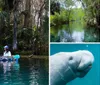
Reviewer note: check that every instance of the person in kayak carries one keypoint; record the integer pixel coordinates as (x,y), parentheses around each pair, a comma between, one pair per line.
(7,52)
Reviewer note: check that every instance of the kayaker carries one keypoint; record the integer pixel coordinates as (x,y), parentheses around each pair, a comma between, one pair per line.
(7,52)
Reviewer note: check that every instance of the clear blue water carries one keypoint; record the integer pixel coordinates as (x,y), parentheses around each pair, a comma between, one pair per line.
(93,76)
(26,72)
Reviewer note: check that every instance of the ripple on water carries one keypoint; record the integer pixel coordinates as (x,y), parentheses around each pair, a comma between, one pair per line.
(24,74)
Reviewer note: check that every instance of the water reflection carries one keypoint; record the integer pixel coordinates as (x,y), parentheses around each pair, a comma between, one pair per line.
(78,36)
(7,65)
(75,36)
(26,72)
(37,76)
(75,31)
(64,36)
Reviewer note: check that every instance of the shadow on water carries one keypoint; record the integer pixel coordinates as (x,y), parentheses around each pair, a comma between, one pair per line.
(26,72)
(75,31)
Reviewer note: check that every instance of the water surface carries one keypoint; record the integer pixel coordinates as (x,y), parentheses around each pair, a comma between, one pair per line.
(75,31)
(26,72)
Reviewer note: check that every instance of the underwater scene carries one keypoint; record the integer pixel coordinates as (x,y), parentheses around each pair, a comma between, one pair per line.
(93,76)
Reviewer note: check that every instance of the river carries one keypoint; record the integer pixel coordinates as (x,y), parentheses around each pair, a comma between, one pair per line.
(26,72)
(75,31)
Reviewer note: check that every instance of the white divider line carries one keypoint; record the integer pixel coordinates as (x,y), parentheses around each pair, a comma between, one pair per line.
(74,42)
(49,41)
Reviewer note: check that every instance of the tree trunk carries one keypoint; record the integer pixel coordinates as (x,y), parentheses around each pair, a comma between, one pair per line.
(15,32)
(27,14)
(98,20)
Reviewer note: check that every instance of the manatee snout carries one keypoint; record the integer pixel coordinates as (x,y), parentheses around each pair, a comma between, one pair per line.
(85,63)
(82,73)
(66,66)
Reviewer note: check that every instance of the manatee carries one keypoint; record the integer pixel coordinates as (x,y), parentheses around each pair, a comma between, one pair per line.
(66,66)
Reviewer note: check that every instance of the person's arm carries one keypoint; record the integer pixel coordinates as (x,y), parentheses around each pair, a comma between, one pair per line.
(4,54)
(9,54)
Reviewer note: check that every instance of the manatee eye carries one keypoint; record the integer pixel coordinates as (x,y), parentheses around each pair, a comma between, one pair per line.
(90,65)
(71,58)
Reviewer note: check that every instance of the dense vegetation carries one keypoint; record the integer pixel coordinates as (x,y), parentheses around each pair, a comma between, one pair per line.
(71,16)
(62,11)
(24,26)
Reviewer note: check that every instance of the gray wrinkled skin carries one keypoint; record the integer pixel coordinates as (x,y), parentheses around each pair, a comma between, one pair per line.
(66,66)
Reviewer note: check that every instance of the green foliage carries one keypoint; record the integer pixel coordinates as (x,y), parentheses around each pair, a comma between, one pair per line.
(77,14)
(64,17)
(5,29)
(69,3)
(77,18)
(24,38)
(3,19)
(59,18)
(31,36)
(25,33)
(55,7)
(1,4)
(1,49)
(92,11)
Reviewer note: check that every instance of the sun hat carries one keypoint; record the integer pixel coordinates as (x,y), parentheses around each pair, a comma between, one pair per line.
(6,47)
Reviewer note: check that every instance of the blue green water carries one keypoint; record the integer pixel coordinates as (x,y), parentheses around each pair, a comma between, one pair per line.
(93,76)
(26,72)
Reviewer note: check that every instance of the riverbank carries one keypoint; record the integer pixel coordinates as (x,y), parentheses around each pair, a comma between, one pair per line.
(35,56)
